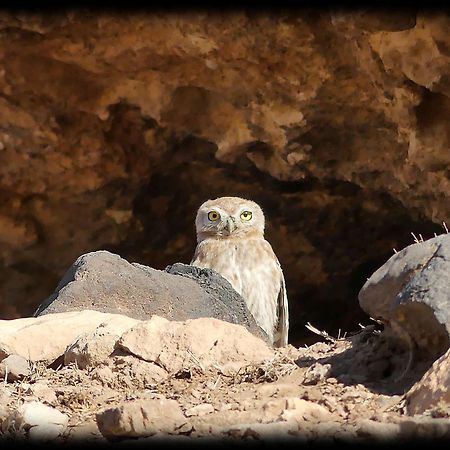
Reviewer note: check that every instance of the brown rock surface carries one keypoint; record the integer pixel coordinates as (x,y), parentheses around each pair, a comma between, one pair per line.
(115,127)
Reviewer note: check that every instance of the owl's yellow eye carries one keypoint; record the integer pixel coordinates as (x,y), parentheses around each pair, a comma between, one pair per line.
(213,216)
(246,215)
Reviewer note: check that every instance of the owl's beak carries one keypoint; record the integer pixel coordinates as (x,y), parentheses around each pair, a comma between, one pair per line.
(230,226)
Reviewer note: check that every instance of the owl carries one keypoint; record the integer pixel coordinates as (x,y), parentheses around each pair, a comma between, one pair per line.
(230,240)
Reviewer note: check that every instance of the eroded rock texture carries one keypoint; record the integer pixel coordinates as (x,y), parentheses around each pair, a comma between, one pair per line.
(114,128)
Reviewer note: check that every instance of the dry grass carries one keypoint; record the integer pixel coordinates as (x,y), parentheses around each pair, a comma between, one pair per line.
(418,240)
(268,371)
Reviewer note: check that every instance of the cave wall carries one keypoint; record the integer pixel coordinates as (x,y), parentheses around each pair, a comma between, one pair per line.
(115,127)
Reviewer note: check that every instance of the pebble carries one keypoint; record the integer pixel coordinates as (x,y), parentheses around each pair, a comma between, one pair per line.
(15,367)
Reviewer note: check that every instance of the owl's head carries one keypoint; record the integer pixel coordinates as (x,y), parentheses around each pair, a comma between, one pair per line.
(228,218)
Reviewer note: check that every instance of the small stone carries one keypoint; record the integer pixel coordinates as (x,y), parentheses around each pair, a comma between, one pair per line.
(90,350)
(42,392)
(15,367)
(42,422)
(334,406)
(104,374)
(327,430)
(226,407)
(298,409)
(195,393)
(87,431)
(141,418)
(316,373)
(3,413)
(282,430)
(377,430)
(200,410)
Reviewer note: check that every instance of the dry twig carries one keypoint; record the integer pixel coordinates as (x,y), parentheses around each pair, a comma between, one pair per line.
(324,334)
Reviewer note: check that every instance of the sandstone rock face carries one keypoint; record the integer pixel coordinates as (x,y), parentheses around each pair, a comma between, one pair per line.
(411,293)
(105,282)
(116,127)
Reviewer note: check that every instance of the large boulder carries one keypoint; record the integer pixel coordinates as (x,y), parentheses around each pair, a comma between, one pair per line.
(410,293)
(105,282)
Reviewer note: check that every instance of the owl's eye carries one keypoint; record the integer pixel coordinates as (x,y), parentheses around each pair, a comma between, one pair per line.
(213,216)
(246,215)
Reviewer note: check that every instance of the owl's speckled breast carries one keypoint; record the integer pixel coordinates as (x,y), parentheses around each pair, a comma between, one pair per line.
(251,267)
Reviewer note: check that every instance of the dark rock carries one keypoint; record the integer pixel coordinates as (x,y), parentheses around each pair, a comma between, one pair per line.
(105,282)
(410,293)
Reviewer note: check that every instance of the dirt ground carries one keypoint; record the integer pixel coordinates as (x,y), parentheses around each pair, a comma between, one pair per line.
(340,390)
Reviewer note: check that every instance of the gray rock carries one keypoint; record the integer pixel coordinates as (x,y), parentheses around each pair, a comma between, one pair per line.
(410,293)
(105,282)
(15,367)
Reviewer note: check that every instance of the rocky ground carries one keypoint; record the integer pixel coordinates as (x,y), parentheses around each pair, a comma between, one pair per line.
(78,373)
(243,391)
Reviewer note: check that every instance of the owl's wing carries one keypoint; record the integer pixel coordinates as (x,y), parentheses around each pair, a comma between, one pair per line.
(282,327)
(195,257)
